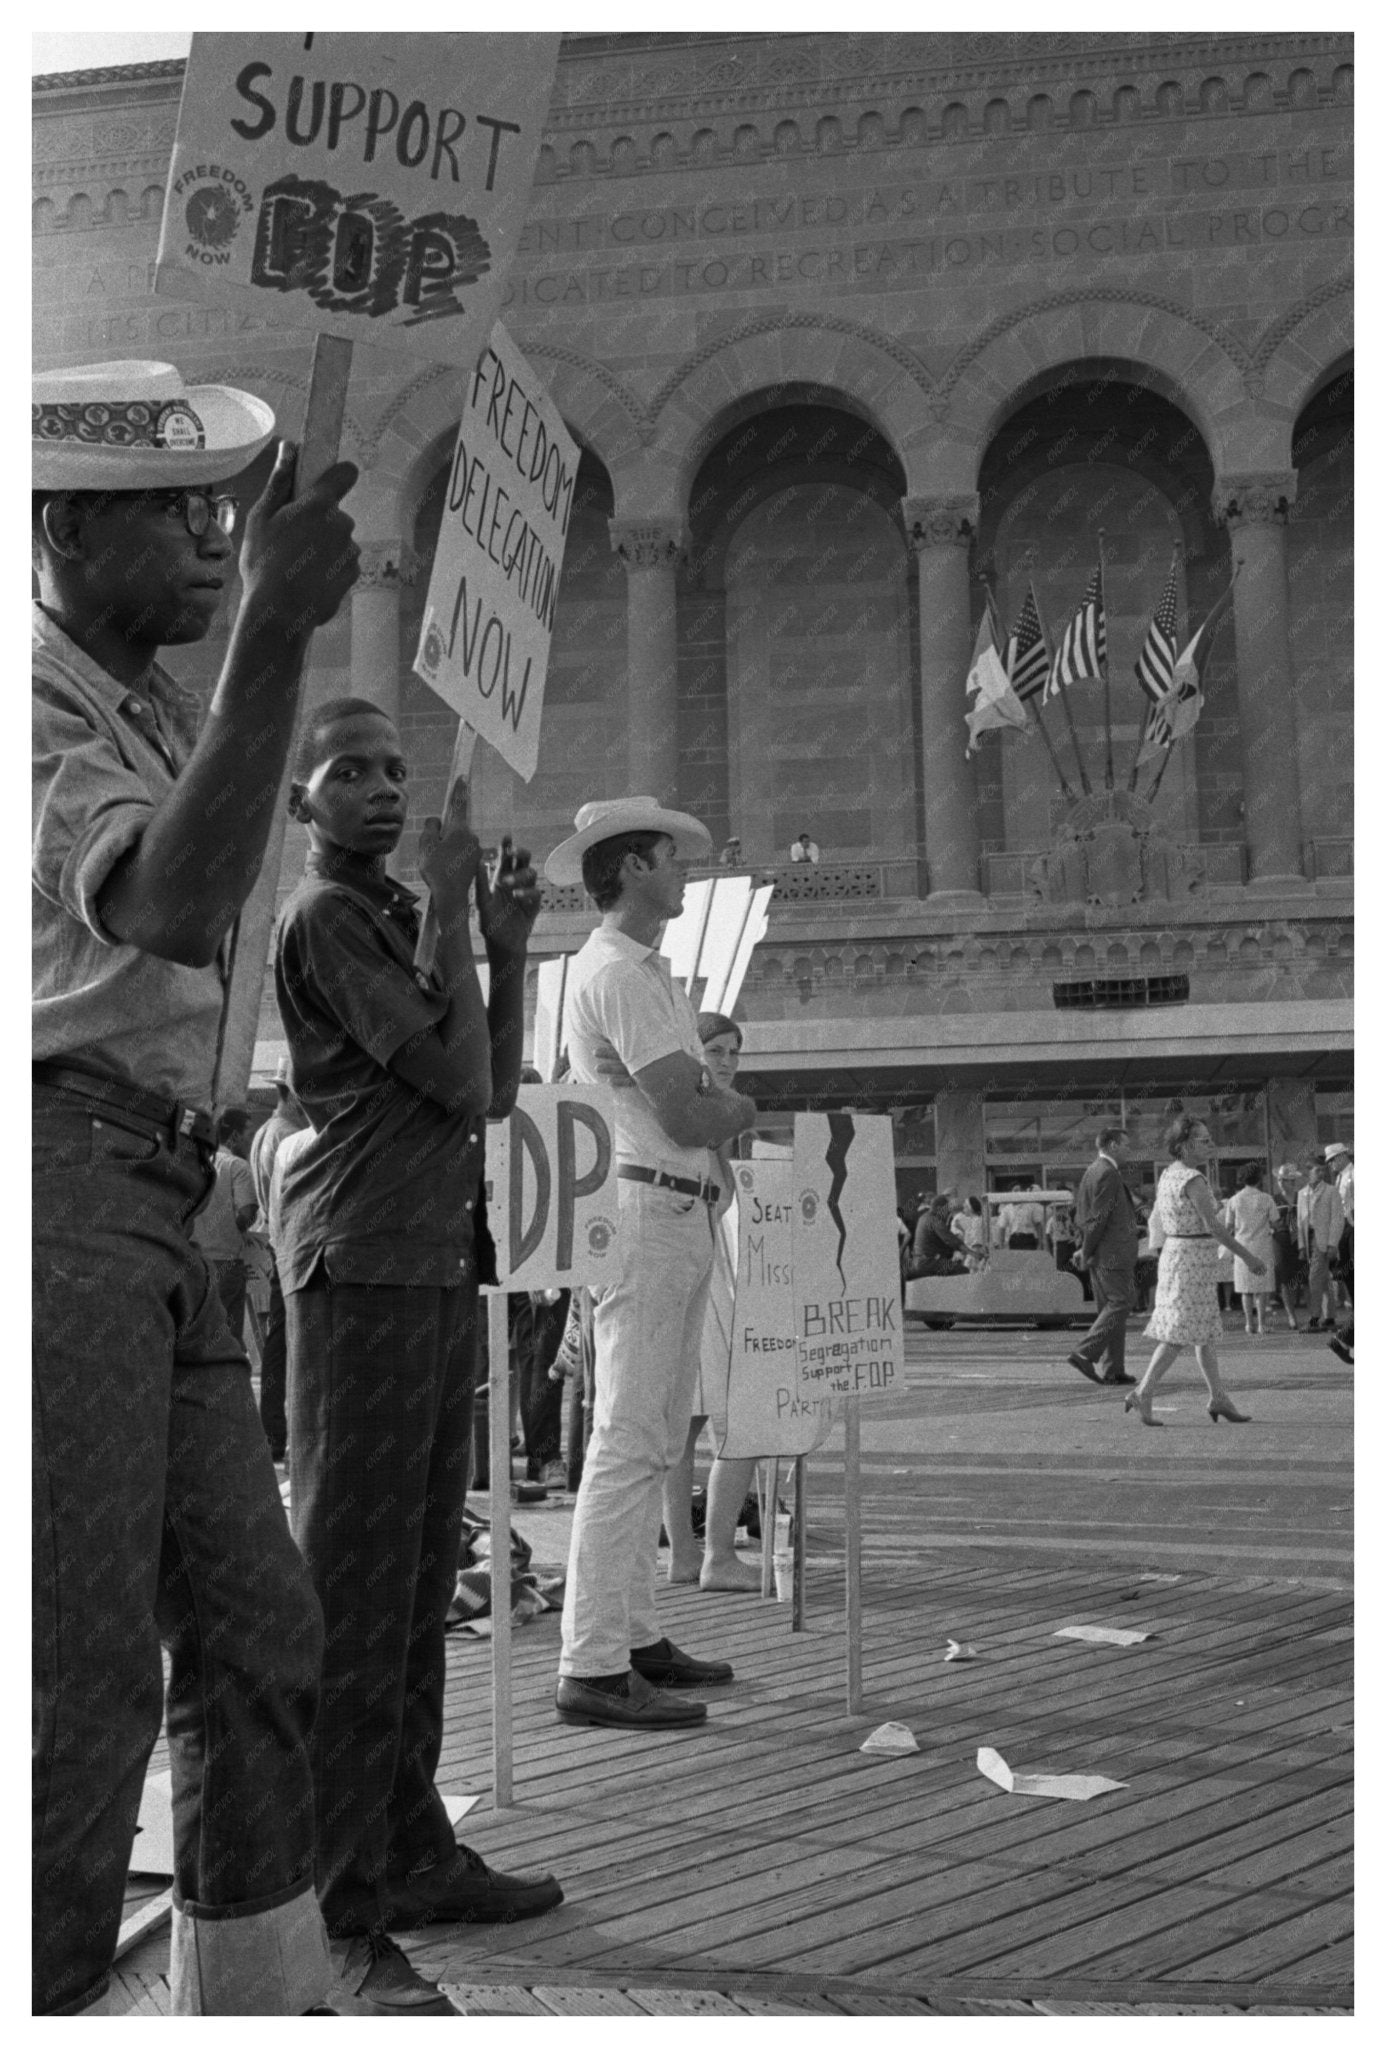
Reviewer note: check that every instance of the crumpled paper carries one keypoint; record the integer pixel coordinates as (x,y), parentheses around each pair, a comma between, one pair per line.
(892,1738)
(958,1653)
(1088,1632)
(1044,1784)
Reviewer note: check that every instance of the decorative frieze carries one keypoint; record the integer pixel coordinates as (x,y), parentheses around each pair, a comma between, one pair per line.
(1255,498)
(940,522)
(647,544)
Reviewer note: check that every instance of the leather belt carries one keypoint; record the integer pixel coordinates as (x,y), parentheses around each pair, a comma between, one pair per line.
(705,1190)
(170,1119)
(1190,1236)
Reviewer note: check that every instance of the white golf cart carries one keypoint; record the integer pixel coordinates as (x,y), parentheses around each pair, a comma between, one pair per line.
(1007,1286)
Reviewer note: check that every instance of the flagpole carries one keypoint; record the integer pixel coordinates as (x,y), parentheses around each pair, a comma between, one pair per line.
(1134,776)
(1106,664)
(1154,789)
(1039,719)
(1068,708)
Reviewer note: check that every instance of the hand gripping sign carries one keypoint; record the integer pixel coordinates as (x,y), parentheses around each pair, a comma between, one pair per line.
(371,186)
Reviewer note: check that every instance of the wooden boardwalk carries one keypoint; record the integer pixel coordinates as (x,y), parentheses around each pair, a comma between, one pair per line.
(766,1859)
(765,1865)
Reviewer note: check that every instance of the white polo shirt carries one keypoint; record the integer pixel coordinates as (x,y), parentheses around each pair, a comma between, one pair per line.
(624,1011)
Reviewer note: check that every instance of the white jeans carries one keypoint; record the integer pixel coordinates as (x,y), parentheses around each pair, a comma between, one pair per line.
(648,1328)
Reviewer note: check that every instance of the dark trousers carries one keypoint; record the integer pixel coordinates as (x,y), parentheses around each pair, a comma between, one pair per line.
(229,1275)
(536,1331)
(274,1362)
(156,1515)
(380,1402)
(1114,1290)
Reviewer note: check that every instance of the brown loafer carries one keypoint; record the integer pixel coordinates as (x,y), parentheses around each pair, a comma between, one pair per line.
(641,1705)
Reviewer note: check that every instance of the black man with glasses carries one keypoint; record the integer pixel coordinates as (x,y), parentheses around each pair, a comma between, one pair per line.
(157,1517)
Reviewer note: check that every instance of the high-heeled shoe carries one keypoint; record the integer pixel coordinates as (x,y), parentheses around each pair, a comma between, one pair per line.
(1221,1406)
(1141,1404)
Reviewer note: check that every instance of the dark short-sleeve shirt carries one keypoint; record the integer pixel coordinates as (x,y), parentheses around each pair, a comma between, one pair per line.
(386,1189)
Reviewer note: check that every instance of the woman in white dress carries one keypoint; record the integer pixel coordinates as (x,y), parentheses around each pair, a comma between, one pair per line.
(1250,1213)
(1186,1295)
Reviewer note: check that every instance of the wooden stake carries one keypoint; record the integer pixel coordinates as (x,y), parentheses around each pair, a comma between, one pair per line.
(769,1470)
(851,1479)
(460,770)
(800,1544)
(498,1318)
(1106,665)
(248,947)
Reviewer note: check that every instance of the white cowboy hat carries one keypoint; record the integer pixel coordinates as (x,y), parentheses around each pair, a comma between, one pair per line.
(1336,1151)
(610,817)
(139,427)
(1289,1171)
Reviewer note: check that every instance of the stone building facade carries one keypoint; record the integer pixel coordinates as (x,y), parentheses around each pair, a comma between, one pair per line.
(851,328)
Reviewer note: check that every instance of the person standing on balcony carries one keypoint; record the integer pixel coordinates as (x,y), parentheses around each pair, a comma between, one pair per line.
(804,849)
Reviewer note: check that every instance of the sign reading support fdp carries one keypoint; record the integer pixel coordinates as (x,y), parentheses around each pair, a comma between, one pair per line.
(847,1318)
(551,1190)
(488,619)
(372,186)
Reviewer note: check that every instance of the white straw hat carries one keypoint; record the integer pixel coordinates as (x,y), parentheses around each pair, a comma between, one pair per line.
(138,426)
(609,818)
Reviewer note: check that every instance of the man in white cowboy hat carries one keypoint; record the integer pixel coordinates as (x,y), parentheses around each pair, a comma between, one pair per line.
(630,1026)
(156,1511)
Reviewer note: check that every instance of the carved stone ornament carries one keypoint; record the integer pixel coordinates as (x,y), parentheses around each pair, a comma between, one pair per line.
(1107,853)
(940,522)
(386,565)
(647,544)
(1259,498)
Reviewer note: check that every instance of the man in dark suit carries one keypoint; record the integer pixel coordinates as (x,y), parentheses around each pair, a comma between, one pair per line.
(1109,1232)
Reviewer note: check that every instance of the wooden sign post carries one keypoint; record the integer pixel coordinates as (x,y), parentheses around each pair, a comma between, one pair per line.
(551,1201)
(850,1342)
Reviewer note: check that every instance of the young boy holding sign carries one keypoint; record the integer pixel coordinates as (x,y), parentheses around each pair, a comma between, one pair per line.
(380,1251)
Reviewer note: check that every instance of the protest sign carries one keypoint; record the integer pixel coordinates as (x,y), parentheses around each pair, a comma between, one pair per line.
(846,1265)
(371,186)
(551,1189)
(755,1404)
(488,617)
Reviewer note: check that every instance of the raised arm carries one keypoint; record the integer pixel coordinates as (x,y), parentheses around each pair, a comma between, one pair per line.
(178,889)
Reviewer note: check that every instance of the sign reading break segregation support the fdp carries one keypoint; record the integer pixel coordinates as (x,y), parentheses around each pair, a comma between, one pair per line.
(372,186)
(551,1190)
(846,1261)
(763,1412)
(488,618)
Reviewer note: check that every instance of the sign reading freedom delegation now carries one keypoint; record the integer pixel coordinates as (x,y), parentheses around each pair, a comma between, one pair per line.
(488,618)
(372,186)
(847,1314)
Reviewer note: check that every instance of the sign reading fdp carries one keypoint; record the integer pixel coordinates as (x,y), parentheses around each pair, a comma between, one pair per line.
(551,1190)
(847,1314)
(372,186)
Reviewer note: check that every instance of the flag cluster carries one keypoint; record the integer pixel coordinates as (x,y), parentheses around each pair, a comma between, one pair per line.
(1082,652)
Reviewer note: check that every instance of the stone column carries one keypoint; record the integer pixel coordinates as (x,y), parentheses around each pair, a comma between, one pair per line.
(960,1140)
(651,550)
(939,532)
(1255,508)
(376,659)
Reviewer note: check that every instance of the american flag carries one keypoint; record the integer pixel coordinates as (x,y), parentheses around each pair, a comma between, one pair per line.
(1027,656)
(1083,649)
(1155,662)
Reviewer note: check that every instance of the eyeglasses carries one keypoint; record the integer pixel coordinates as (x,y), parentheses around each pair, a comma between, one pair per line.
(199,510)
